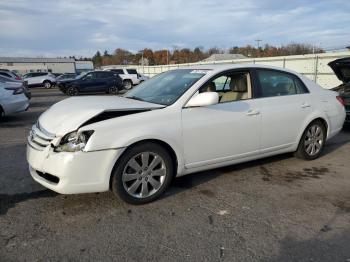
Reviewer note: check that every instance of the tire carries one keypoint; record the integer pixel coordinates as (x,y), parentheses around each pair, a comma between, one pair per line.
(312,141)
(112,90)
(132,174)
(127,84)
(47,84)
(72,91)
(2,114)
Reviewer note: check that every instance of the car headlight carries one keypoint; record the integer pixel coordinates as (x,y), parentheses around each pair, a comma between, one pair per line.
(74,141)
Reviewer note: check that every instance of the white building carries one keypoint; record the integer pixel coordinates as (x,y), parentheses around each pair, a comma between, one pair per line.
(24,65)
(83,66)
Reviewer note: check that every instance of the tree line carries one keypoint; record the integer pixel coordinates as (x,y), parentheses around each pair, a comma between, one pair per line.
(177,55)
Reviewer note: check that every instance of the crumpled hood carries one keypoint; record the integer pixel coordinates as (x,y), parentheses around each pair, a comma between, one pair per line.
(69,114)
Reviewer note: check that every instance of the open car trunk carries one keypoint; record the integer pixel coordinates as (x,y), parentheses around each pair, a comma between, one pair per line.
(341,68)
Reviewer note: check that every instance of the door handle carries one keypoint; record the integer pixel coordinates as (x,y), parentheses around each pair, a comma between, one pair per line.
(305,105)
(253,112)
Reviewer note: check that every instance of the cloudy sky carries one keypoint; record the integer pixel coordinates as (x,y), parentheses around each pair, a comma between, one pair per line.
(80,27)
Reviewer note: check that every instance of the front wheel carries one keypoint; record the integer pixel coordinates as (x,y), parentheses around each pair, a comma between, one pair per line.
(47,84)
(142,174)
(113,90)
(312,141)
(72,91)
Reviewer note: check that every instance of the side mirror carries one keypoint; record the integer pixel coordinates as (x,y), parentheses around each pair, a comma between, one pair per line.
(203,99)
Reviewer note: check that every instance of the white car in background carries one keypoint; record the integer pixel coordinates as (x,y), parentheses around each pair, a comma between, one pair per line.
(12,98)
(129,76)
(180,122)
(44,79)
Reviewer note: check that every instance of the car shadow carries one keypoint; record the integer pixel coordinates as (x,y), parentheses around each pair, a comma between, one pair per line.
(9,201)
(180,184)
(313,249)
(337,141)
(183,183)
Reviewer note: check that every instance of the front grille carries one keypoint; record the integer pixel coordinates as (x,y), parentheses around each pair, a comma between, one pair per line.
(39,138)
(48,177)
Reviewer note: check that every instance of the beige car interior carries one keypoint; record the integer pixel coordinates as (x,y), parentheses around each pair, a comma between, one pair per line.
(236,87)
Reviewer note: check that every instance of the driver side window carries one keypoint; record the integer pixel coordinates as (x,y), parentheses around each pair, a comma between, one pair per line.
(89,76)
(230,87)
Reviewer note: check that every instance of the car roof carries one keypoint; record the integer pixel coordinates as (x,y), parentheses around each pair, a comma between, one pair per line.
(224,67)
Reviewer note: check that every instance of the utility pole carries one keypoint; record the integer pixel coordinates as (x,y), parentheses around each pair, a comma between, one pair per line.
(167,57)
(258,41)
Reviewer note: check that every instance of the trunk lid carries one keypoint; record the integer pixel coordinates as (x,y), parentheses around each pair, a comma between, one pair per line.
(341,68)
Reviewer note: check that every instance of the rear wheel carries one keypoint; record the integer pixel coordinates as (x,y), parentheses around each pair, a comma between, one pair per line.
(127,84)
(72,91)
(312,141)
(113,90)
(142,174)
(47,84)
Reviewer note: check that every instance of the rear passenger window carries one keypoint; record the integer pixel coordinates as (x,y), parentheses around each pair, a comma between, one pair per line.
(105,74)
(5,74)
(132,71)
(275,83)
(118,71)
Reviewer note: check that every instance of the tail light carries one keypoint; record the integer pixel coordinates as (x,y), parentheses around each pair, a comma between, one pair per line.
(341,100)
(18,78)
(16,90)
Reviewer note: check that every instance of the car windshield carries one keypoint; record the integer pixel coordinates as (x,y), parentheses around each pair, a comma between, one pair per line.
(167,87)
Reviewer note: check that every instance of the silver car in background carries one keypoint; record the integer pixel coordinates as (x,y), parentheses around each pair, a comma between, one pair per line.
(10,74)
(24,84)
(12,98)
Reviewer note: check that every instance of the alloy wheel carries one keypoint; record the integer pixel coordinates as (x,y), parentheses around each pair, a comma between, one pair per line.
(47,85)
(72,91)
(127,84)
(144,174)
(314,140)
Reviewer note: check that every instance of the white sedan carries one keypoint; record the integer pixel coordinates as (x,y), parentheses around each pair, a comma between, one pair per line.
(180,122)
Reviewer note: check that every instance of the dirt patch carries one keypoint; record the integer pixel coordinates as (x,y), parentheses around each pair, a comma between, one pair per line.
(207,193)
(291,176)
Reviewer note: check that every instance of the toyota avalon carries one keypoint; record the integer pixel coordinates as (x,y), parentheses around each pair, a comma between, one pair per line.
(180,122)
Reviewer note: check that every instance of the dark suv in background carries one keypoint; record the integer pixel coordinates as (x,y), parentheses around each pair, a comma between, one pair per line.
(92,82)
(341,68)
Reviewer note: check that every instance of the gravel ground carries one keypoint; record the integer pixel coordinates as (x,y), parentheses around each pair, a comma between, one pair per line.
(275,209)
